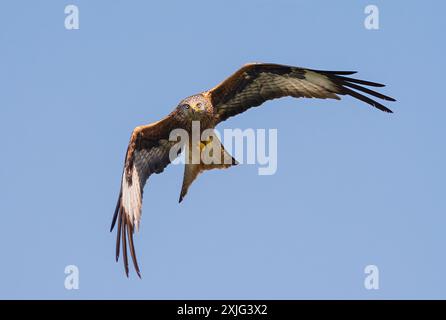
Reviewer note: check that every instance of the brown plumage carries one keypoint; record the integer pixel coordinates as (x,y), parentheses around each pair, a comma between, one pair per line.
(149,149)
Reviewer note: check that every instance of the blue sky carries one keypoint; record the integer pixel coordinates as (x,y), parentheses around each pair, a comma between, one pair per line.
(354,186)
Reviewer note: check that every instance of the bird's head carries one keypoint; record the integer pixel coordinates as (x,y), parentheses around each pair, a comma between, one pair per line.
(195,106)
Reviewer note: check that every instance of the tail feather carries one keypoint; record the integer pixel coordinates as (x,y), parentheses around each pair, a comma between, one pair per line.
(212,147)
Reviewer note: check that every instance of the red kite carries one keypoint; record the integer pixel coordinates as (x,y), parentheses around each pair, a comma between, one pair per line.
(149,147)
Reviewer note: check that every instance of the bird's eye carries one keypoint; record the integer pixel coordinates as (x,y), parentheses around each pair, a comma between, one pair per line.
(186,106)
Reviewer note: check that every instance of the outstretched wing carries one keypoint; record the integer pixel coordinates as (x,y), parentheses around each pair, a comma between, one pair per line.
(254,84)
(147,153)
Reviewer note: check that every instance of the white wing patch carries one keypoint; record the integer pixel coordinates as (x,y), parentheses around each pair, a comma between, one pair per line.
(132,194)
(320,82)
(145,162)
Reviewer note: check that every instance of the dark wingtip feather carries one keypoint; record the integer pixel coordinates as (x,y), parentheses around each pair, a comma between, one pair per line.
(132,249)
(363,82)
(344,73)
(365,99)
(345,83)
(124,245)
(115,215)
(368,91)
(118,237)
(331,72)
(124,230)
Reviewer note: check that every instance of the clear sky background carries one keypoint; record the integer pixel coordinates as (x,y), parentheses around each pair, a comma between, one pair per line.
(354,186)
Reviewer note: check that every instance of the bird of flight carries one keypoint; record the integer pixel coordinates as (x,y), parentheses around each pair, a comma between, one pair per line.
(149,148)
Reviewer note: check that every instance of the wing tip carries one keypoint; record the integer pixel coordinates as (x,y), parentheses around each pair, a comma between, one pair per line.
(116,213)
(346,85)
(125,230)
(130,232)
